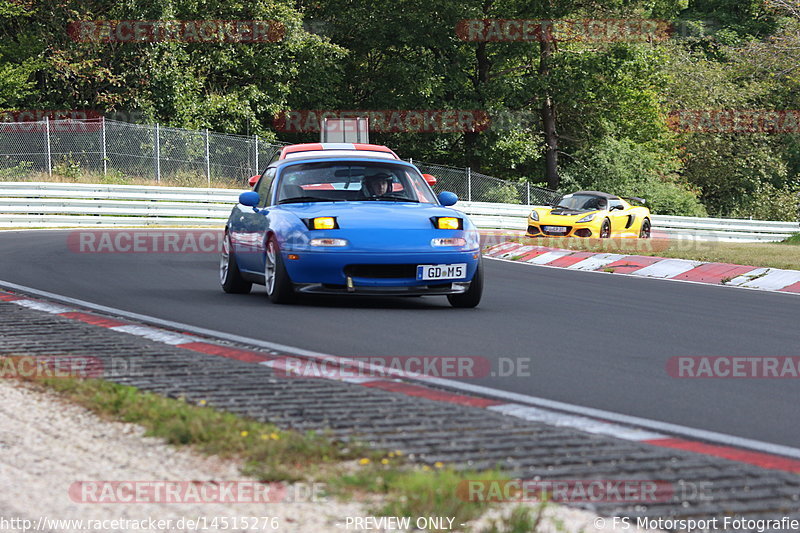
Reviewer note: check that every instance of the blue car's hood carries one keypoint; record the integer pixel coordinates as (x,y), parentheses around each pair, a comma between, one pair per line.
(382,226)
(375,215)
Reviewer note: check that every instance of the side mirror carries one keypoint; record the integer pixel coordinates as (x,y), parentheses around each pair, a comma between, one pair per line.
(249,198)
(430,179)
(447,198)
(252,180)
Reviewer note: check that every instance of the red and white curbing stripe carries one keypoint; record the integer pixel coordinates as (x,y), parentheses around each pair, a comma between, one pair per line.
(767,279)
(599,422)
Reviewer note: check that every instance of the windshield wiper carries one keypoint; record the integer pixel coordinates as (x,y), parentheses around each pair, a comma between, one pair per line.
(393,199)
(300,199)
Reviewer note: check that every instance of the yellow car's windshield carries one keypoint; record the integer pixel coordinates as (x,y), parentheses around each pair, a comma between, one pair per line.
(582,202)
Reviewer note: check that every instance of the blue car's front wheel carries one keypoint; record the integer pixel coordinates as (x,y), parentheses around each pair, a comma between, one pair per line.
(279,285)
(472,297)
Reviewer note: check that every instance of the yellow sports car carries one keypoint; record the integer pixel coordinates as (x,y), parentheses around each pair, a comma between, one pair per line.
(591,214)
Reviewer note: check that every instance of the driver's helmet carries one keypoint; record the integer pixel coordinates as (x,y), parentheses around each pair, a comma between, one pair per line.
(593,203)
(373,181)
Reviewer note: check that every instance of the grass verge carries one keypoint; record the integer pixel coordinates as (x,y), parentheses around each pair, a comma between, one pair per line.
(773,255)
(793,240)
(265,451)
(115,178)
(390,484)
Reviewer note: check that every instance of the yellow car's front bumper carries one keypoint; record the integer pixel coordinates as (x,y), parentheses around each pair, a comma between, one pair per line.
(586,229)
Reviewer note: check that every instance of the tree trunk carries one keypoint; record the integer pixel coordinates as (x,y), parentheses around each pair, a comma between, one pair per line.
(479,81)
(548,112)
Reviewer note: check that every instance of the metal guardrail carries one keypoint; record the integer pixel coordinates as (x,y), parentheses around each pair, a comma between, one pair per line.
(44,204)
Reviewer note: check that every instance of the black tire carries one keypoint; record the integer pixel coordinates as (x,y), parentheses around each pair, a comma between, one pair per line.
(472,297)
(605,229)
(229,275)
(279,285)
(644,233)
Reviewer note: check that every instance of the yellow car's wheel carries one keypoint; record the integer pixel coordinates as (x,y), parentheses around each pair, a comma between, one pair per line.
(605,229)
(644,233)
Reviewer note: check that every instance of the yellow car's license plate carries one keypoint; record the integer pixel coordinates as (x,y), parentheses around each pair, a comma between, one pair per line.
(555,229)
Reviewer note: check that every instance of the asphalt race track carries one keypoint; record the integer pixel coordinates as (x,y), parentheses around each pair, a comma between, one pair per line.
(592,339)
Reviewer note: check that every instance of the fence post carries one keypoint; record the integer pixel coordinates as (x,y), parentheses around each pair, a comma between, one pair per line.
(105,162)
(528,185)
(258,170)
(157,152)
(208,161)
(469,184)
(49,154)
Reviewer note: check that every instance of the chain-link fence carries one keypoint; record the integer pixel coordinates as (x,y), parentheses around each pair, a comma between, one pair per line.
(476,187)
(111,151)
(116,152)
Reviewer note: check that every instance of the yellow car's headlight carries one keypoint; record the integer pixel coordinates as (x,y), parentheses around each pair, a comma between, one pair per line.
(534,215)
(587,218)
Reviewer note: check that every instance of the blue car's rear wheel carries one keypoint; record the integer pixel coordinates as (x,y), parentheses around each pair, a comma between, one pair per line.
(472,297)
(276,279)
(229,275)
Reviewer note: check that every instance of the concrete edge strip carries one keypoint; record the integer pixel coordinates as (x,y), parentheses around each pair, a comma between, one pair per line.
(765,279)
(531,408)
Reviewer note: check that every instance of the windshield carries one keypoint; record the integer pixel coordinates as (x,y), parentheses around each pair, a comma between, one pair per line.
(343,181)
(582,202)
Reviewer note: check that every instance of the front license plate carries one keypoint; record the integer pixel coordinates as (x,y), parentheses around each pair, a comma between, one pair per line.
(430,272)
(555,229)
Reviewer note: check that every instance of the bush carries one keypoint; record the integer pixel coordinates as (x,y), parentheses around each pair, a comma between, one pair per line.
(769,203)
(17,172)
(506,194)
(627,168)
(68,168)
(664,198)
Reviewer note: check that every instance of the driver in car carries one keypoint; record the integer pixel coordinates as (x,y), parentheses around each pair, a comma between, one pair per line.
(377,184)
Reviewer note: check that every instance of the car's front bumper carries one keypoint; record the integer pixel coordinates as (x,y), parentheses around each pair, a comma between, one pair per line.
(458,287)
(537,229)
(340,272)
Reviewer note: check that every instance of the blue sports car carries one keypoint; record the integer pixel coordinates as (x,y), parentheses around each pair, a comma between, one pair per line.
(351,224)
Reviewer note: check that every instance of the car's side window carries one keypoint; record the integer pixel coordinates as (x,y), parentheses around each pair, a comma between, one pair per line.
(264,187)
(614,204)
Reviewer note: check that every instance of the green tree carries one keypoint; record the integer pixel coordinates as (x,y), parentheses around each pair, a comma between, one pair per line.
(234,87)
(17,56)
